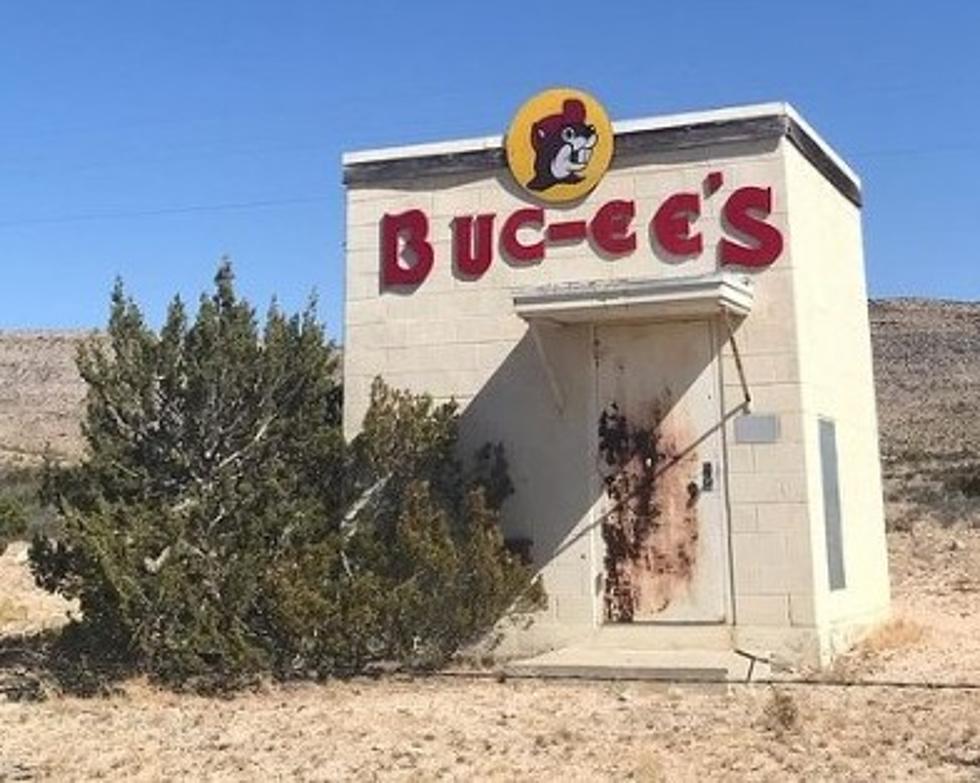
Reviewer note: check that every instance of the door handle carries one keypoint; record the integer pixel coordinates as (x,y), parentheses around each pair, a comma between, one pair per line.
(707,484)
(707,476)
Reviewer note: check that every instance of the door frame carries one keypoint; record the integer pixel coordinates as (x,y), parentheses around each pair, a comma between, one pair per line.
(597,546)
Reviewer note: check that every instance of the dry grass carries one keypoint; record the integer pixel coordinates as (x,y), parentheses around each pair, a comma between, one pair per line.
(871,653)
(781,715)
(456,729)
(439,729)
(12,612)
(649,768)
(24,609)
(897,634)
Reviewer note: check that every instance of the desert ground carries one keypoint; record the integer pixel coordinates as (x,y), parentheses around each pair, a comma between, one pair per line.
(903,705)
(469,728)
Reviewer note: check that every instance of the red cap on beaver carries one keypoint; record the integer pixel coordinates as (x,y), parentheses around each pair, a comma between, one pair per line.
(572,113)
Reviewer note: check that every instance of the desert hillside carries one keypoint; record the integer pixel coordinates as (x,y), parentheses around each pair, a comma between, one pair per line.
(40,395)
(927,370)
(927,374)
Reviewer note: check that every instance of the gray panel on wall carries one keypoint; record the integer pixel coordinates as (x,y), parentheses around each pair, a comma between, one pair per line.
(757,428)
(831,504)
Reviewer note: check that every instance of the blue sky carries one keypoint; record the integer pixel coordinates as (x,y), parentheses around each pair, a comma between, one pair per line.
(146,139)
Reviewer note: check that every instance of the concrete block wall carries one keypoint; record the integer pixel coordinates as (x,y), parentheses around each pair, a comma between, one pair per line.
(770,541)
(467,324)
(838,384)
(453,337)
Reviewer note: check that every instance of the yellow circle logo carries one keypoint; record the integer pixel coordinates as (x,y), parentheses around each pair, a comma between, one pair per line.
(559,144)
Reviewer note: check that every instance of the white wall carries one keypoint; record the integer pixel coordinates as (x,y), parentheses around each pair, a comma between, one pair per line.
(460,338)
(836,366)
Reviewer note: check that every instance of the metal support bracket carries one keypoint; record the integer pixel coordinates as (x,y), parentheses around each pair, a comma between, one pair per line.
(747,404)
(535,328)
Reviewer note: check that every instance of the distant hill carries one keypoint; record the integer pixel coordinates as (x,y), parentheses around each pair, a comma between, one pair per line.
(40,395)
(927,374)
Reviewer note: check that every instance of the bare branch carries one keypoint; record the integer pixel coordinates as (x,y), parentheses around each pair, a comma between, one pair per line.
(153,565)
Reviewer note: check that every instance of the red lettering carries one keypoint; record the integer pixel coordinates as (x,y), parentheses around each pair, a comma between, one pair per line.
(472,261)
(610,227)
(404,239)
(713,183)
(512,246)
(407,251)
(568,231)
(738,214)
(672,224)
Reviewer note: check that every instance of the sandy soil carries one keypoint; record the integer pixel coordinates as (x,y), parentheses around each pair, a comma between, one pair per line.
(935,591)
(24,609)
(464,729)
(438,729)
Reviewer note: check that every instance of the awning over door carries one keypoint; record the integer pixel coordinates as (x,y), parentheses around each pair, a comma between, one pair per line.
(721,294)
(636,299)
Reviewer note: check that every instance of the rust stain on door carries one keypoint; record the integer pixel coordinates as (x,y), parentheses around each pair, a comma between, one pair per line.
(650,527)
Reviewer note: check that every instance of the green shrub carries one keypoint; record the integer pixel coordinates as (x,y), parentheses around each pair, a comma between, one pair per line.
(965,480)
(13,521)
(427,535)
(220,527)
(20,511)
(418,566)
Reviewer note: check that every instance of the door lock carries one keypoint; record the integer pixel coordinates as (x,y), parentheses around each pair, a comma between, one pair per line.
(707,477)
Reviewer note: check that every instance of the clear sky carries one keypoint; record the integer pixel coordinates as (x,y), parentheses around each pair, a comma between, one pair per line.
(148,138)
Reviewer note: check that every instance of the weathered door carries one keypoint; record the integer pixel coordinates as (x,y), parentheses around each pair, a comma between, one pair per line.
(659,453)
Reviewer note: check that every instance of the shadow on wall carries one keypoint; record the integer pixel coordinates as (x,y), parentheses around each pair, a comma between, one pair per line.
(551,453)
(547,450)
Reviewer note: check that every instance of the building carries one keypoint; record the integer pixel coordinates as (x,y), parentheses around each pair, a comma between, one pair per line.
(664,321)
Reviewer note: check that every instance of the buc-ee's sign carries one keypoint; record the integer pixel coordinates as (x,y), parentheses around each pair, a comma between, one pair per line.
(558,146)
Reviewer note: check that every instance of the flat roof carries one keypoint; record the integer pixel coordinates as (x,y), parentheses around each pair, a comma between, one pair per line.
(647,134)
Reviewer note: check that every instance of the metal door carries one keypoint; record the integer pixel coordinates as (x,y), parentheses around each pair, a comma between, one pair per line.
(659,453)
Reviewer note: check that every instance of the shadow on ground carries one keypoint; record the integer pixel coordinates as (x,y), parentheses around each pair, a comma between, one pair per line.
(65,661)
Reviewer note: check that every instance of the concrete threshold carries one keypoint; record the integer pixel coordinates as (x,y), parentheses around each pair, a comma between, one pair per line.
(604,663)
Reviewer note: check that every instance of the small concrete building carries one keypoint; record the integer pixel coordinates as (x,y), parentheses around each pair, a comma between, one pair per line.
(664,321)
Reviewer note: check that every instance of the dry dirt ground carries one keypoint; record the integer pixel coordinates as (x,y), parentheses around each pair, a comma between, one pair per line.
(455,728)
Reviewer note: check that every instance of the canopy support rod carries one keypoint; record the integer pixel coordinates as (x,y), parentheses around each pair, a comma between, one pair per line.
(747,404)
(549,371)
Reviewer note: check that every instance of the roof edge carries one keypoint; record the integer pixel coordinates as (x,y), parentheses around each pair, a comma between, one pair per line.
(683,130)
(620,127)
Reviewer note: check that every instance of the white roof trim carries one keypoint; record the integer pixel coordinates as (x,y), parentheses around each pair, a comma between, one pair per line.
(422,150)
(748,111)
(793,114)
(637,299)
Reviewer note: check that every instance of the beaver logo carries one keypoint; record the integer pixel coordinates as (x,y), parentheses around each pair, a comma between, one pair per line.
(559,145)
(562,144)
